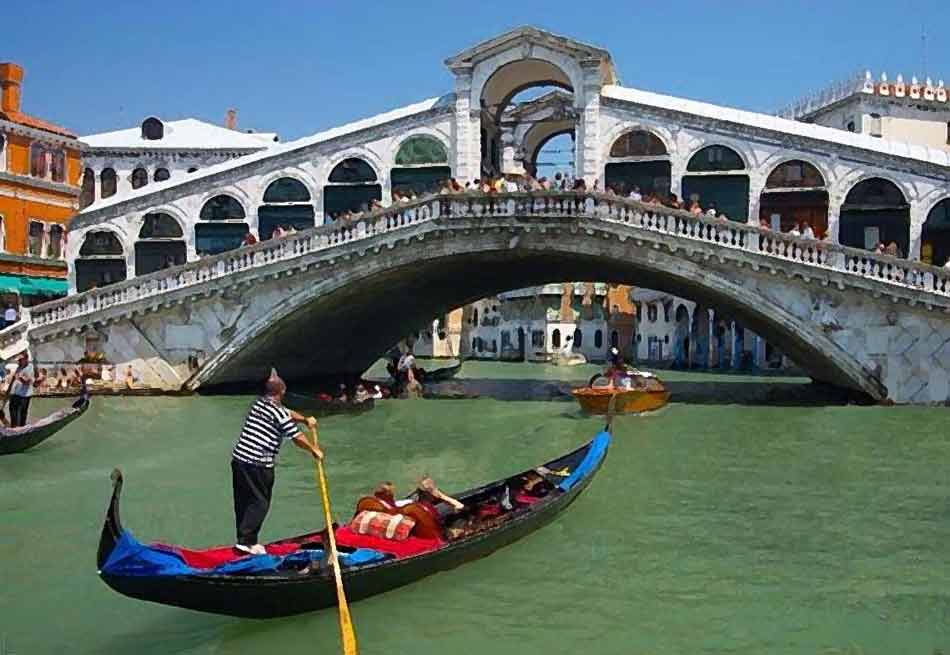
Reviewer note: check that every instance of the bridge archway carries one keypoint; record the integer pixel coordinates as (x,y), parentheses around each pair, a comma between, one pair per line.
(717,176)
(420,166)
(795,193)
(286,203)
(337,315)
(875,211)
(351,186)
(101,260)
(935,238)
(639,160)
(160,244)
(221,225)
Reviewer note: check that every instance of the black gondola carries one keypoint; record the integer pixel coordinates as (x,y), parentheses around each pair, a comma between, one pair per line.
(443,374)
(16,440)
(283,592)
(323,408)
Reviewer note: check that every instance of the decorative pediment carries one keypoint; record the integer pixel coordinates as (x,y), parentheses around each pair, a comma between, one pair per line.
(524,40)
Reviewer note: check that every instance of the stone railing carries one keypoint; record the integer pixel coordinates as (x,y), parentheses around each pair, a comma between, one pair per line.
(614,209)
(13,338)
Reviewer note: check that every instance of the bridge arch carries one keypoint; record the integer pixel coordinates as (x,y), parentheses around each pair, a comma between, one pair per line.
(221,225)
(717,174)
(160,243)
(639,157)
(345,304)
(103,256)
(419,162)
(935,235)
(354,179)
(875,210)
(796,190)
(286,201)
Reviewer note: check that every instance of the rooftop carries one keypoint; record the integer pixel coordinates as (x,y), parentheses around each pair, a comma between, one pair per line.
(185,134)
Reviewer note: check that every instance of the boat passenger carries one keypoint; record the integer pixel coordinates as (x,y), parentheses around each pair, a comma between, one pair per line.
(341,396)
(361,395)
(385,492)
(617,372)
(427,492)
(268,424)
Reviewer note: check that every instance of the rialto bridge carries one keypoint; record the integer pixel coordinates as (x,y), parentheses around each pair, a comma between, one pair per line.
(328,299)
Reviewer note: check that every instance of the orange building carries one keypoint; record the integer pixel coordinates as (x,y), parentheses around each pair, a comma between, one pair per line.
(39,192)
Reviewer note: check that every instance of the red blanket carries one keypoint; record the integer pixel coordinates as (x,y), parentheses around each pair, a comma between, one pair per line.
(209,558)
(411,546)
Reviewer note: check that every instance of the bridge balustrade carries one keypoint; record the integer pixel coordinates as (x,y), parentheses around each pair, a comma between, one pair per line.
(598,206)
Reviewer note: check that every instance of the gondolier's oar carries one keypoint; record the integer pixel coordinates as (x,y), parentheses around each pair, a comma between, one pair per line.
(347,635)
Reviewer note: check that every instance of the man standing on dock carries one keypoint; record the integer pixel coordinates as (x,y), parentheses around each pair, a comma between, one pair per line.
(267,425)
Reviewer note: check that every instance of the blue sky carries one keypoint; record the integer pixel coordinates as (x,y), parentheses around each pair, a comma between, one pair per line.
(298,67)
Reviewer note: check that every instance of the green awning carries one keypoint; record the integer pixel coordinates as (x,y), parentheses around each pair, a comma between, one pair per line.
(32,286)
(43,286)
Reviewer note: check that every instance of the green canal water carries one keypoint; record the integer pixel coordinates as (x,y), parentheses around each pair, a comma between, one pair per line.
(721,524)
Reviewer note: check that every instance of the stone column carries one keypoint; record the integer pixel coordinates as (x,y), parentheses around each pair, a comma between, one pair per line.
(918,217)
(756,187)
(587,162)
(835,200)
(466,129)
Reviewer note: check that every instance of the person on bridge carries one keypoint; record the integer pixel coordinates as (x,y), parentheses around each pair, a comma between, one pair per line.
(267,426)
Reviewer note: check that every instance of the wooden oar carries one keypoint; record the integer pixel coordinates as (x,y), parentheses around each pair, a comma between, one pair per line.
(347,635)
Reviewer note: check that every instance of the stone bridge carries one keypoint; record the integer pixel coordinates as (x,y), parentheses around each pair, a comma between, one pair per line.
(329,300)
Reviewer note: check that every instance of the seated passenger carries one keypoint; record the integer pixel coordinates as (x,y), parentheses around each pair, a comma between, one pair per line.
(428,492)
(534,486)
(385,492)
(361,394)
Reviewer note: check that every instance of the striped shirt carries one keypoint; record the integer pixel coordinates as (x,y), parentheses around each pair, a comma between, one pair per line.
(265,428)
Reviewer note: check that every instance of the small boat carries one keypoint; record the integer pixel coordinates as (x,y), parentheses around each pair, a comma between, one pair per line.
(16,440)
(291,578)
(646,394)
(569,359)
(442,374)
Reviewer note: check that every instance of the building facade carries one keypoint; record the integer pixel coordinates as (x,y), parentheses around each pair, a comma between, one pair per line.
(39,191)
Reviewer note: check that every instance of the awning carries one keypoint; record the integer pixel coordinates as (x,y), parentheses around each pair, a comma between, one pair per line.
(32,286)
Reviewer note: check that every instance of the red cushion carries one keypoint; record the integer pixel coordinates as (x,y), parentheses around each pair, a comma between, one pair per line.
(378,524)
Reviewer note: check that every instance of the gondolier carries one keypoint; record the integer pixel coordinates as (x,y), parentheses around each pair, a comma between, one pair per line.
(21,390)
(267,425)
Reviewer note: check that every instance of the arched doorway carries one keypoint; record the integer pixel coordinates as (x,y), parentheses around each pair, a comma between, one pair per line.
(101,261)
(875,211)
(221,226)
(717,179)
(421,166)
(638,160)
(795,194)
(286,204)
(507,86)
(351,187)
(935,238)
(160,244)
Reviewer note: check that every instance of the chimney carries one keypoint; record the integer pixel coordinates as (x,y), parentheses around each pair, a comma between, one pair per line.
(230,119)
(11,75)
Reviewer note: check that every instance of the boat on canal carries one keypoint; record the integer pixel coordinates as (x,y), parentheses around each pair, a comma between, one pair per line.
(16,440)
(293,579)
(646,393)
(442,374)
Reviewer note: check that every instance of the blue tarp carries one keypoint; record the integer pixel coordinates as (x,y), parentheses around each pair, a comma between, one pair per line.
(131,557)
(596,453)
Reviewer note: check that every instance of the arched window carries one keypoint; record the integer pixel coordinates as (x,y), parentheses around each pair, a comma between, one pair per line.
(56,235)
(107,183)
(101,261)
(578,337)
(139,178)
(794,196)
(615,339)
(875,125)
(652,312)
(556,338)
(351,187)
(637,143)
(598,339)
(640,178)
(715,158)
(160,244)
(793,175)
(421,166)
(161,174)
(225,227)
(875,211)
(475,317)
(719,182)
(39,166)
(286,204)
(88,194)
(47,162)
(935,238)
(152,129)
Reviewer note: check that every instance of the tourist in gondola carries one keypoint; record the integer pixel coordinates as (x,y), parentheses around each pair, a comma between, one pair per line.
(268,424)
(21,391)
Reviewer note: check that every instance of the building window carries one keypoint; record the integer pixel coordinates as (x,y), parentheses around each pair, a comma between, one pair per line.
(88,195)
(3,234)
(556,338)
(192,169)
(578,338)
(875,125)
(3,153)
(47,162)
(56,234)
(598,339)
(161,174)
(537,338)
(35,239)
(615,339)
(107,183)
(152,129)
(850,125)
(652,312)
(139,178)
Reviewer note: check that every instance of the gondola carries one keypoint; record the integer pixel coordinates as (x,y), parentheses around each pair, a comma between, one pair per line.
(322,407)
(266,586)
(16,440)
(442,374)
